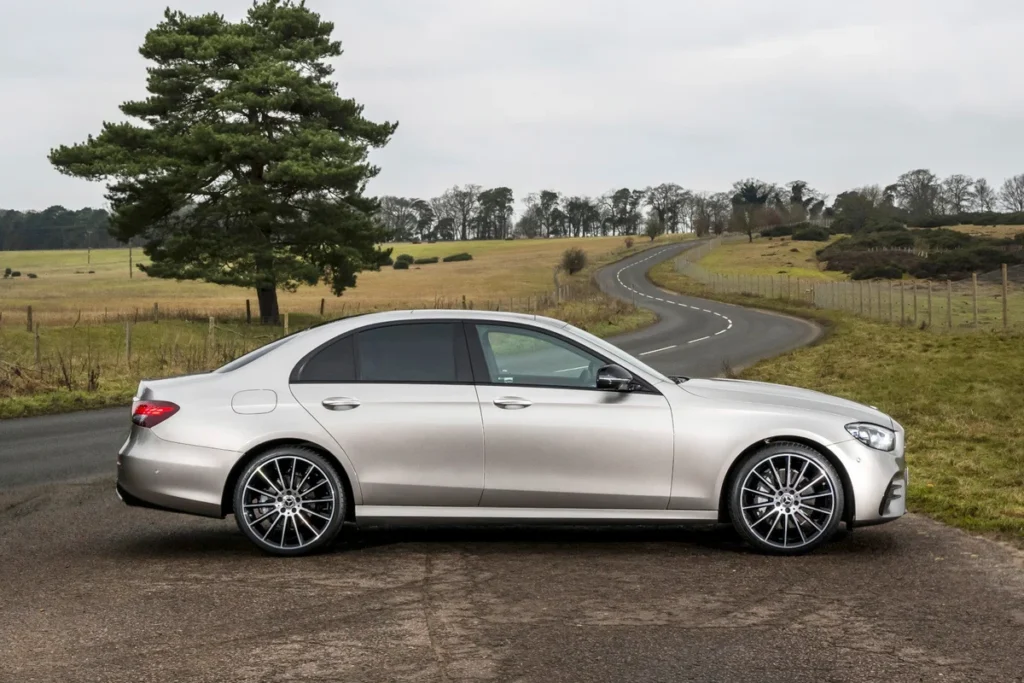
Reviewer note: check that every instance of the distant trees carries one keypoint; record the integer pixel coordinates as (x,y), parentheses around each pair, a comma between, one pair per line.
(55,228)
(752,201)
(1011,194)
(918,193)
(958,194)
(984,195)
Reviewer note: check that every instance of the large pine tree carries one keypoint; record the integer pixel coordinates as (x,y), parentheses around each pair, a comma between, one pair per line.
(247,168)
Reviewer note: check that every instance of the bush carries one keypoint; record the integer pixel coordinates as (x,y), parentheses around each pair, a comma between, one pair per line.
(388,261)
(422,261)
(574,260)
(629,243)
(15,273)
(811,234)
(882,270)
(401,265)
(779,230)
(408,258)
(458,257)
(32,276)
(7,272)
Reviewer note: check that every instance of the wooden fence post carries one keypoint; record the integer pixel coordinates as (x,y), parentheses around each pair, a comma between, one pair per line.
(949,304)
(929,303)
(286,324)
(860,296)
(1006,292)
(39,354)
(890,301)
(210,337)
(903,303)
(321,307)
(878,306)
(128,343)
(464,303)
(28,316)
(974,296)
(915,301)
(248,312)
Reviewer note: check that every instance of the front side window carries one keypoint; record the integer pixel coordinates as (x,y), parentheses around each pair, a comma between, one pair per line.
(520,356)
(423,352)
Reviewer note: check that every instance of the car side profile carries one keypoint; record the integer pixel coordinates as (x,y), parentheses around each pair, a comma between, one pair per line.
(471,417)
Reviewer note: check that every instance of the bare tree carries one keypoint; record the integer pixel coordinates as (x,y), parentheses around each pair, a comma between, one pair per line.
(984,195)
(1011,194)
(399,217)
(466,203)
(958,193)
(918,192)
(668,201)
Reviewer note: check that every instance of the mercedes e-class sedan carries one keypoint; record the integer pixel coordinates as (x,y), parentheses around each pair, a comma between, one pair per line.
(470,417)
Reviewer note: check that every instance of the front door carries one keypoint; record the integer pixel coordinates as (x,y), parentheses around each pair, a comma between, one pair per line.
(399,400)
(552,439)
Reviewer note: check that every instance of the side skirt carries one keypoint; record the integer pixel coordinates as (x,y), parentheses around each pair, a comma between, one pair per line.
(370,514)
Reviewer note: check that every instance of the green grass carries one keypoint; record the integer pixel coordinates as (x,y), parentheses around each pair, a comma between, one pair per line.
(959,397)
(770,256)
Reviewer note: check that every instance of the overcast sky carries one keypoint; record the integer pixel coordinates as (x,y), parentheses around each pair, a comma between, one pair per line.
(581,96)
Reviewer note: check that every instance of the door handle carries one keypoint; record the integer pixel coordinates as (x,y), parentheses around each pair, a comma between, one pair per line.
(341,403)
(512,403)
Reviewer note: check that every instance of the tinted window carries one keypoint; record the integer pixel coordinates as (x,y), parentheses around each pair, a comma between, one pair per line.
(516,355)
(409,353)
(333,363)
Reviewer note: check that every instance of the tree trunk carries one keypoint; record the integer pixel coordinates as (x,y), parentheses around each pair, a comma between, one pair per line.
(267,298)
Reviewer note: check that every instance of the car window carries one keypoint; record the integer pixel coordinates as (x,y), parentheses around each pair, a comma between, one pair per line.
(615,352)
(335,362)
(423,352)
(516,355)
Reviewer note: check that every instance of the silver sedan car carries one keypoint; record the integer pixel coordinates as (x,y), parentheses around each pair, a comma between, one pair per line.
(470,417)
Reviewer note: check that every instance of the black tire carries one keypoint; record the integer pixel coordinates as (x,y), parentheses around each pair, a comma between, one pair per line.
(809,503)
(290,501)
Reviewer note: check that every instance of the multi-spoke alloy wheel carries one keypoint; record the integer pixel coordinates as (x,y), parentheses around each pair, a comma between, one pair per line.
(289,501)
(786,499)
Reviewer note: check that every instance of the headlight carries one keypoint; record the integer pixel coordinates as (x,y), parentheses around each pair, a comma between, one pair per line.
(880,438)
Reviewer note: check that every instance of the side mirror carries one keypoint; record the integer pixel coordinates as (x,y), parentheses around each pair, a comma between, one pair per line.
(614,378)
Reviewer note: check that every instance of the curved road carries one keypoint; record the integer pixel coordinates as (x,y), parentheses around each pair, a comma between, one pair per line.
(93,591)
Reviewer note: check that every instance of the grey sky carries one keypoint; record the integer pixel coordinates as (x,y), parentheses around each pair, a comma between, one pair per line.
(580,96)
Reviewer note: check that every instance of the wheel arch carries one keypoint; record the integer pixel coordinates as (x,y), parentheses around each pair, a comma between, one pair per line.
(228,495)
(849,503)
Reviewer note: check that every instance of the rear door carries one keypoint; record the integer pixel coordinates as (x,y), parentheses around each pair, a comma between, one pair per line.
(553,440)
(399,400)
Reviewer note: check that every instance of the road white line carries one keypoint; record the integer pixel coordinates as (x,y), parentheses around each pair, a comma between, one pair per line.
(694,341)
(647,353)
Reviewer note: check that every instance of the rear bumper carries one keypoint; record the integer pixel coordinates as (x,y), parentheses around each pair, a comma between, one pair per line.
(164,475)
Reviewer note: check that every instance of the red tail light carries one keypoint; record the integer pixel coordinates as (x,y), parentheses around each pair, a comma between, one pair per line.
(151,413)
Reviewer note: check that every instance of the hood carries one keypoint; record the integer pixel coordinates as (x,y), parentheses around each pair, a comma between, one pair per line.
(766,394)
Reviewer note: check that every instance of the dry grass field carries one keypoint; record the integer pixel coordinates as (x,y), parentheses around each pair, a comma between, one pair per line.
(989,230)
(499,270)
(770,256)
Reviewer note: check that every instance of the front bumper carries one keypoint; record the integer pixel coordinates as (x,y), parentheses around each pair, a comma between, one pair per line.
(165,475)
(878,481)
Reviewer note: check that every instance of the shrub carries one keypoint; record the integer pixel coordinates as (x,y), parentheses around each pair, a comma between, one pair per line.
(458,257)
(15,273)
(778,230)
(32,276)
(870,272)
(408,258)
(795,250)
(629,242)
(810,234)
(401,265)
(388,261)
(7,272)
(574,260)
(422,261)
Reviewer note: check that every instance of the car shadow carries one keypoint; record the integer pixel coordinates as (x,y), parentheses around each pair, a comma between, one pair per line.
(226,541)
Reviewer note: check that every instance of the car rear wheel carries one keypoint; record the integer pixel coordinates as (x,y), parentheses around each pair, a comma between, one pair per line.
(786,499)
(290,501)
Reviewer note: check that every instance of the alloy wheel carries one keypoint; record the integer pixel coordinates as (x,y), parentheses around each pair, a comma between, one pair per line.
(288,502)
(788,501)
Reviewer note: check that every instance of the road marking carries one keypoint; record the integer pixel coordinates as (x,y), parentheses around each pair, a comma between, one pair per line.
(694,341)
(647,353)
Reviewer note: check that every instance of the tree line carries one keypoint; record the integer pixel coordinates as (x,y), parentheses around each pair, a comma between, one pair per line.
(55,228)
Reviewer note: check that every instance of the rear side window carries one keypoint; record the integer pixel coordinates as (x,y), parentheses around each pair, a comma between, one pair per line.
(409,353)
(335,362)
(406,353)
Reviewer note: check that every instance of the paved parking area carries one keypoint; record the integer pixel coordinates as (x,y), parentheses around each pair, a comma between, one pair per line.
(93,591)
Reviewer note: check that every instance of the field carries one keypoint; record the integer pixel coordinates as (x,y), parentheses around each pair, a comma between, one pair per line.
(499,270)
(958,396)
(770,256)
(96,357)
(989,230)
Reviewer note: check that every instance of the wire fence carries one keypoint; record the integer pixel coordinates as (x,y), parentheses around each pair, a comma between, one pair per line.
(985,301)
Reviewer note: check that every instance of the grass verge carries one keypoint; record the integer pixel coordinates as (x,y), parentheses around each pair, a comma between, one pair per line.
(957,395)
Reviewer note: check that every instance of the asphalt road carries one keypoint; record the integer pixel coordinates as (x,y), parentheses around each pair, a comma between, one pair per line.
(93,591)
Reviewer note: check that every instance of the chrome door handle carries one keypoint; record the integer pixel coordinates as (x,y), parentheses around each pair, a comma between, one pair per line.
(342,403)
(512,403)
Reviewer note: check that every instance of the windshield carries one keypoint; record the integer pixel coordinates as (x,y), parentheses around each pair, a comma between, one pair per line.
(613,350)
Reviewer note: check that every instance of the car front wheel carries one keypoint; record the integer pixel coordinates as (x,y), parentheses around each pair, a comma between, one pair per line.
(290,501)
(786,499)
